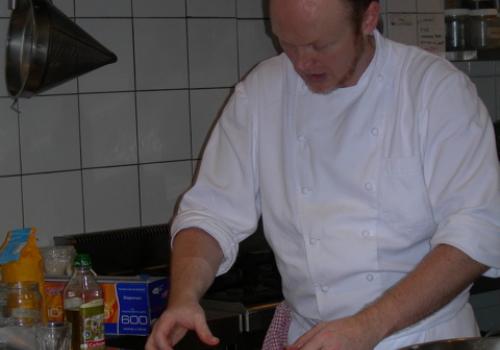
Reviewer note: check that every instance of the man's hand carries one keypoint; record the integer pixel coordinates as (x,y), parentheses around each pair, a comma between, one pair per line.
(173,325)
(195,259)
(412,299)
(350,333)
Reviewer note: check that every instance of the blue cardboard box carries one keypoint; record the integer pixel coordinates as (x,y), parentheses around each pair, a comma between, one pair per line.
(131,304)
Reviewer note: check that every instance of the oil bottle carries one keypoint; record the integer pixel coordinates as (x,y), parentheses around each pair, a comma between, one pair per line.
(84,306)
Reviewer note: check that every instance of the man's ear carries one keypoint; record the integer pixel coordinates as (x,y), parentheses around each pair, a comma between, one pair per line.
(371,18)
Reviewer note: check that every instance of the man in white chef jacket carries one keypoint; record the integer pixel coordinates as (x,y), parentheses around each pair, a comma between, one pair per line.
(374,168)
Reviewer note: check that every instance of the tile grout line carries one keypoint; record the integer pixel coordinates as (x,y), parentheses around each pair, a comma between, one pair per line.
(21,179)
(136,111)
(190,120)
(79,111)
(237,41)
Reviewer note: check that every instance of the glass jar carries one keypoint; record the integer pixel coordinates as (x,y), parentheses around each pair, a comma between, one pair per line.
(24,303)
(58,260)
(456,28)
(484,29)
(3,304)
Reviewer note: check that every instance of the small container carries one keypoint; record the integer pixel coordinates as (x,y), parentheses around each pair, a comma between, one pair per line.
(484,29)
(24,303)
(58,260)
(53,336)
(456,28)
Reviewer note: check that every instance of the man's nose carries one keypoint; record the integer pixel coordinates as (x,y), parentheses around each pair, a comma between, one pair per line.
(304,59)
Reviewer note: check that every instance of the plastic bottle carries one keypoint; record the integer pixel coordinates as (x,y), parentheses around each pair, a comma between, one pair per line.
(84,306)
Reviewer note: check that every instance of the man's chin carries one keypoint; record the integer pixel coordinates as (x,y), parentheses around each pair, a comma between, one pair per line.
(320,88)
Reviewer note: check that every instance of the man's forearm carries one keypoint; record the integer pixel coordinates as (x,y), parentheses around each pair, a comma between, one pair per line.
(441,276)
(196,256)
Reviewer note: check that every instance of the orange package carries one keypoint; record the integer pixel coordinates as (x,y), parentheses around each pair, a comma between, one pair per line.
(21,261)
(110,303)
(54,291)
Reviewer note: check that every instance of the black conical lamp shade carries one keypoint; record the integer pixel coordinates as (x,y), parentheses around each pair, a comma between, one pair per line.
(45,49)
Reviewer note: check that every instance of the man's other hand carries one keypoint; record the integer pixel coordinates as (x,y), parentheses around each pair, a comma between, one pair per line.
(173,325)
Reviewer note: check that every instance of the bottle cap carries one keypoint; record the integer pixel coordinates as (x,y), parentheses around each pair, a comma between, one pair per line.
(82,260)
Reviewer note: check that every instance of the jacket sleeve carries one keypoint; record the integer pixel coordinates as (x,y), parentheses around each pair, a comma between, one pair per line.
(223,200)
(462,171)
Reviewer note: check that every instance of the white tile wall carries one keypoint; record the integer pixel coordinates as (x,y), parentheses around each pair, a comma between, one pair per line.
(163,123)
(4,27)
(49,132)
(108,128)
(99,8)
(213,57)
(254,43)
(11,208)
(161,53)
(159,8)
(111,198)
(116,147)
(53,204)
(252,9)
(4,9)
(430,6)
(213,8)
(206,106)
(161,184)
(401,5)
(9,140)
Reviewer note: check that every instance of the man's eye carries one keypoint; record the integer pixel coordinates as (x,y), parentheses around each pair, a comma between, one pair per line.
(322,47)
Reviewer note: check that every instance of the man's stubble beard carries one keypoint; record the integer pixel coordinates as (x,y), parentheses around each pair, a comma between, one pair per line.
(360,48)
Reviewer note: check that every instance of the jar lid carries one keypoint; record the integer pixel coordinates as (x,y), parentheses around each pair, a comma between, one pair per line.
(456,12)
(484,12)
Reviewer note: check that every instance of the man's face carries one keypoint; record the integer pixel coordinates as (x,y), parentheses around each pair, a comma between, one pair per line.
(320,40)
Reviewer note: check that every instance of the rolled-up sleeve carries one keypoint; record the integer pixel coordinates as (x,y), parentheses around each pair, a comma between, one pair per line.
(224,198)
(462,172)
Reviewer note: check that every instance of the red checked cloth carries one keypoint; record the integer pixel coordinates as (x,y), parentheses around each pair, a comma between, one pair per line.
(277,333)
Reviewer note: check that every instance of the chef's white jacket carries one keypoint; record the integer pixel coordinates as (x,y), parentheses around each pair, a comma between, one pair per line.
(355,186)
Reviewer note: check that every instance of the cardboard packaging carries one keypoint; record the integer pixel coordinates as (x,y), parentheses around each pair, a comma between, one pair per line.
(131,304)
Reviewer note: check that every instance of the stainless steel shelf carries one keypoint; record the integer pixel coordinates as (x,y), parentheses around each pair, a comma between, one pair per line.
(474,55)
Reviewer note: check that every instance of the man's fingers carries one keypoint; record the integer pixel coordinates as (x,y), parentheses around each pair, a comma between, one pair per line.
(176,335)
(159,340)
(173,326)
(306,337)
(165,334)
(204,332)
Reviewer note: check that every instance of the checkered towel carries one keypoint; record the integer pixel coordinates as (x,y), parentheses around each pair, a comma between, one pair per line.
(277,333)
